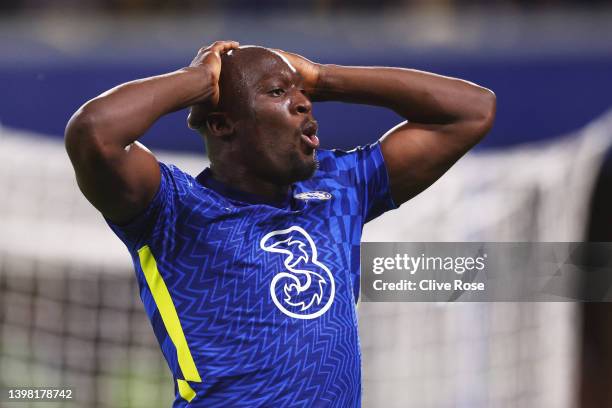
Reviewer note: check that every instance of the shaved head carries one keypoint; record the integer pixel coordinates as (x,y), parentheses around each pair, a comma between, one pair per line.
(242,69)
(260,120)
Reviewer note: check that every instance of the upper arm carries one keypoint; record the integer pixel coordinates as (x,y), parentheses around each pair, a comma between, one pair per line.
(416,154)
(120,182)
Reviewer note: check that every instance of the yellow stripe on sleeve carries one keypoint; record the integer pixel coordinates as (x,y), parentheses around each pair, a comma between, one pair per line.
(166,308)
(185,390)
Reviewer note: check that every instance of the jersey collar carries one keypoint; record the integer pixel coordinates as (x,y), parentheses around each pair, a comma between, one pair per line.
(206,179)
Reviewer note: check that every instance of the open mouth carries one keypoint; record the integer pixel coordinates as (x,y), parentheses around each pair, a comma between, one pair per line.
(309,135)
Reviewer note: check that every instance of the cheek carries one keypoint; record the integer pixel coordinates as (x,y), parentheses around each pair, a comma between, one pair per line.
(270,129)
(270,112)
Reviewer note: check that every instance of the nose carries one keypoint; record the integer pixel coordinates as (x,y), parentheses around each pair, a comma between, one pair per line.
(302,104)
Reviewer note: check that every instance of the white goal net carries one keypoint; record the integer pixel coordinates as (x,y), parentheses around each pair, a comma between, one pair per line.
(70,313)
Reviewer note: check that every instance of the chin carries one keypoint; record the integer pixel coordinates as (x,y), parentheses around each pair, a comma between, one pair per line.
(303,169)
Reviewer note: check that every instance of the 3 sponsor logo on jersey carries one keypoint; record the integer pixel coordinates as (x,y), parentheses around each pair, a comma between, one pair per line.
(305,287)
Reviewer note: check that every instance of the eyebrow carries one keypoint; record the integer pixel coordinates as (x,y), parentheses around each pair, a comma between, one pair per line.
(283,76)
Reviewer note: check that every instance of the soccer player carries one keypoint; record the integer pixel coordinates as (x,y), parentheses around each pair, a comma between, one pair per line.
(249,272)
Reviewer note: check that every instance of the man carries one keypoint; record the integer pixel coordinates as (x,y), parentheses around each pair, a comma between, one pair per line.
(250,271)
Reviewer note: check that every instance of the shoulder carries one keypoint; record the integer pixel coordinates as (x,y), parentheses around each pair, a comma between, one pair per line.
(174,173)
(339,168)
(175,180)
(186,194)
(338,160)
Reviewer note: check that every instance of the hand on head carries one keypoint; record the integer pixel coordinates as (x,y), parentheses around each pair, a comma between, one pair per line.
(310,71)
(209,59)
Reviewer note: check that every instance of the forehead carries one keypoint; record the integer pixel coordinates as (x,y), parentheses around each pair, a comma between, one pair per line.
(269,66)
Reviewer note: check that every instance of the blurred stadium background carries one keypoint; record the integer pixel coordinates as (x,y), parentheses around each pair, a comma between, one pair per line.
(69,308)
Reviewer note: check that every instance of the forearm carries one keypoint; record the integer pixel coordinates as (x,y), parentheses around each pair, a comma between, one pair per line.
(123,114)
(418,96)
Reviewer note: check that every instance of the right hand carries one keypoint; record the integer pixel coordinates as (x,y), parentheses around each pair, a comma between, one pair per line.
(209,58)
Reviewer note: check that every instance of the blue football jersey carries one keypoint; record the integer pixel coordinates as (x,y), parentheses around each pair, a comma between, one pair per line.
(253,304)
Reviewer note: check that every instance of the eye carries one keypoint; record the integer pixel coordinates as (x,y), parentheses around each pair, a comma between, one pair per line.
(277,92)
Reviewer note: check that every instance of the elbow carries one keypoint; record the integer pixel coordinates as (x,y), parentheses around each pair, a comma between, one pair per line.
(80,134)
(485,115)
(479,119)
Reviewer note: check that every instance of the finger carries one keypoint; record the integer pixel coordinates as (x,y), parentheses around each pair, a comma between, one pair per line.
(230,46)
(223,46)
(213,47)
(281,52)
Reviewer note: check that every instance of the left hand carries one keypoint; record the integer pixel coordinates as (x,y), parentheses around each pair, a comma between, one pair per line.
(310,71)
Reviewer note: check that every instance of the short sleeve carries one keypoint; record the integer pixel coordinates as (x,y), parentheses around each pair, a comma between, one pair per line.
(373,181)
(155,217)
(362,168)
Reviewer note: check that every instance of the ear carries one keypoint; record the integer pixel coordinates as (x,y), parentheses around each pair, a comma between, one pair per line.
(219,124)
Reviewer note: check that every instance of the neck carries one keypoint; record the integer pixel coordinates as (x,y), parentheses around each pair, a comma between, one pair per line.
(237,176)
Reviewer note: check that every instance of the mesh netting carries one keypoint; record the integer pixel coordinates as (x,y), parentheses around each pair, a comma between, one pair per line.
(70,313)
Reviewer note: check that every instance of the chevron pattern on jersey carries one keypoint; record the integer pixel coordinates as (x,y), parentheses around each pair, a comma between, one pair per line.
(223,263)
